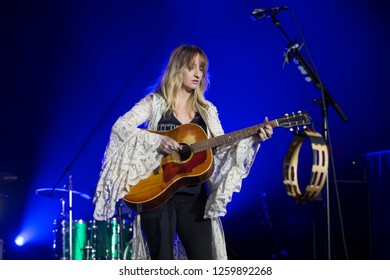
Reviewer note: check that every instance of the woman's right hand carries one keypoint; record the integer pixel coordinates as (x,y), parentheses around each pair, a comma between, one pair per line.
(168,145)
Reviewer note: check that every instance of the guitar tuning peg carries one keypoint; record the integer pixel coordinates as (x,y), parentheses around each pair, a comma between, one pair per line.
(291,129)
(286,115)
(300,112)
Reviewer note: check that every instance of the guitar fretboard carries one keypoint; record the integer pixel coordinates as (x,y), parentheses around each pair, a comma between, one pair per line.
(229,137)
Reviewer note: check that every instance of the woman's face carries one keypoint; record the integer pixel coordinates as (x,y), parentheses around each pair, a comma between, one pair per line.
(192,75)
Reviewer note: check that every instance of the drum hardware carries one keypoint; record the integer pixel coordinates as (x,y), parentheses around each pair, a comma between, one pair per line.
(70,218)
(88,251)
(128,250)
(63,227)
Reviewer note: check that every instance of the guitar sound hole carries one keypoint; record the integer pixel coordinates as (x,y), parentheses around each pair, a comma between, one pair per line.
(185,152)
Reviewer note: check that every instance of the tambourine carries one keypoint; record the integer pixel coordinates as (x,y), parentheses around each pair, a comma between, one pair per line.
(319,170)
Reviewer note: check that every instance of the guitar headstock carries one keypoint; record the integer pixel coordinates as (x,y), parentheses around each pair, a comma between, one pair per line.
(294,120)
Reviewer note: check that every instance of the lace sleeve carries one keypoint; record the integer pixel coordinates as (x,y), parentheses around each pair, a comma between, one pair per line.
(232,164)
(130,156)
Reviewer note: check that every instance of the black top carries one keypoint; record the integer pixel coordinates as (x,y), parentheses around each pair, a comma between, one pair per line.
(168,122)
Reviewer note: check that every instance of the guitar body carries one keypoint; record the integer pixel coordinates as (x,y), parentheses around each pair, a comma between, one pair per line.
(177,170)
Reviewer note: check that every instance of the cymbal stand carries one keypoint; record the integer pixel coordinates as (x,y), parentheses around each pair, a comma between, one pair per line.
(63,230)
(70,219)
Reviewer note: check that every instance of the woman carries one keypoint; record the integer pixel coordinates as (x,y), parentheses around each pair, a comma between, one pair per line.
(193,212)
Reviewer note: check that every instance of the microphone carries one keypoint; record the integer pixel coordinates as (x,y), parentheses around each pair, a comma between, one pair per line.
(260,13)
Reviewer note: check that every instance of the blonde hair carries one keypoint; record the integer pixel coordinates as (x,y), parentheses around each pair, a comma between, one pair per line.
(172,77)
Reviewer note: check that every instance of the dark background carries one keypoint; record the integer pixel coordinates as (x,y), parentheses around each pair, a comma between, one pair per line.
(69,69)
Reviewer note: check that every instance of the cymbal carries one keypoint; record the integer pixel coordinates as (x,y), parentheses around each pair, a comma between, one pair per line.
(61,193)
(6,178)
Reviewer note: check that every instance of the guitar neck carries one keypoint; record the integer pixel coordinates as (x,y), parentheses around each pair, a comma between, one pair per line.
(230,137)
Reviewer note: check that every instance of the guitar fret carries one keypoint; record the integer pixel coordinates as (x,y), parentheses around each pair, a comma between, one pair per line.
(225,138)
(229,137)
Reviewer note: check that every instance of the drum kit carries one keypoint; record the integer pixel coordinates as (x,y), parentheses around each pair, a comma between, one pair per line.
(92,240)
(79,239)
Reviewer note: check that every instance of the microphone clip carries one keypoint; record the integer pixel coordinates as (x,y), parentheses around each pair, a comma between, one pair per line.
(271,12)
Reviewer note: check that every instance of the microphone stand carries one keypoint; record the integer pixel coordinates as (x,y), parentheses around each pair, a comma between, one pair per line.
(293,52)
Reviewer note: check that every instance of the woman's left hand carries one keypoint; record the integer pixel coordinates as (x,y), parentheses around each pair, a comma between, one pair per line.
(266,132)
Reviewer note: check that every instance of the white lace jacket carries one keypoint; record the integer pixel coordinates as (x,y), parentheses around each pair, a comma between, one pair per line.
(131,155)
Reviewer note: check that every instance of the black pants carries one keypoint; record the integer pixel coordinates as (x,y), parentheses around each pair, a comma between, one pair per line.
(181,214)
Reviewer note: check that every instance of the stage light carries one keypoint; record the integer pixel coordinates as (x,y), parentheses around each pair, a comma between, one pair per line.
(20,240)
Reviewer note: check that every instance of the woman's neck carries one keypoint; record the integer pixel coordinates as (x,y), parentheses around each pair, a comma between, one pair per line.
(183,95)
(183,112)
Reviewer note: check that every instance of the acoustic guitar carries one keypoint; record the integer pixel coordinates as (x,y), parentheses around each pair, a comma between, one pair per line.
(193,164)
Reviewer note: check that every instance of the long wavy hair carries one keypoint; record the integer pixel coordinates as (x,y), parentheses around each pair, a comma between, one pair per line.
(172,77)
